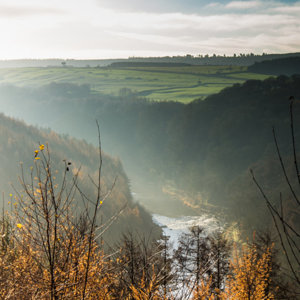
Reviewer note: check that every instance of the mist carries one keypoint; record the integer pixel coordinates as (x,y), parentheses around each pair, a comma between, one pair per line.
(181,159)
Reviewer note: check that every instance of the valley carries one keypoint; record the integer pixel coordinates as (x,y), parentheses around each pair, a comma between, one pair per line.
(177,164)
(150,150)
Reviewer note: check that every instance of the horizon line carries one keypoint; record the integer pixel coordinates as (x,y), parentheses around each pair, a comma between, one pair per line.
(198,56)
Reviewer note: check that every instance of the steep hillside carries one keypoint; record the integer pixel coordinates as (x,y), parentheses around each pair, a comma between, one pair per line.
(17,144)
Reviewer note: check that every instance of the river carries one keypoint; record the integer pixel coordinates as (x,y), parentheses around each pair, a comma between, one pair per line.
(174,227)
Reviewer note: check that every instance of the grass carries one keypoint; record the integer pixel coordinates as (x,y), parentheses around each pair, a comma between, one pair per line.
(182,84)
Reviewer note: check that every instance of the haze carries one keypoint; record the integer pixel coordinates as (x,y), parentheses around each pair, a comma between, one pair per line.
(110,29)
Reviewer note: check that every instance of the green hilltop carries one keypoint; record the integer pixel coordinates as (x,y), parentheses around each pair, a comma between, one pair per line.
(157,82)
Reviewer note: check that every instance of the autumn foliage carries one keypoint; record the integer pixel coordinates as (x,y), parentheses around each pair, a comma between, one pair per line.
(251,275)
(50,249)
(25,274)
(48,246)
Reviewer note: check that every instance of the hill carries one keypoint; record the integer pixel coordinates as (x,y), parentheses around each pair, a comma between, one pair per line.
(283,66)
(133,64)
(153,81)
(18,142)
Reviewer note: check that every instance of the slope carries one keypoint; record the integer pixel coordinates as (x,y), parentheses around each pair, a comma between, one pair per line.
(17,144)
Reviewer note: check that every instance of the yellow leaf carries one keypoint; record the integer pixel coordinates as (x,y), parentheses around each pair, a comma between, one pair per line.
(19,225)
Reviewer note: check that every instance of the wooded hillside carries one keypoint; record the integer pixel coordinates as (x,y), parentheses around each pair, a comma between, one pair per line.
(18,143)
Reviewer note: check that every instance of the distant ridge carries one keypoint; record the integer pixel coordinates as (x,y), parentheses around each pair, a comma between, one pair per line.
(125,64)
(282,66)
(239,60)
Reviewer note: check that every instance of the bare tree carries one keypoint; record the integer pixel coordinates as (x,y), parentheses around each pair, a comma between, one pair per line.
(141,262)
(60,231)
(287,228)
(202,259)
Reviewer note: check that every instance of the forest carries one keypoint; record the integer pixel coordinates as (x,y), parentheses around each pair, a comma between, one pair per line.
(276,67)
(19,141)
(82,221)
(166,138)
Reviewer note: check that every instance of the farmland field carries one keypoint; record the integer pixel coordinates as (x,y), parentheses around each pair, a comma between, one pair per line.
(184,83)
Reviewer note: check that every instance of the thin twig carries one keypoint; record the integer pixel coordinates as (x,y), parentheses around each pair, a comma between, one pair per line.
(283,167)
(293,140)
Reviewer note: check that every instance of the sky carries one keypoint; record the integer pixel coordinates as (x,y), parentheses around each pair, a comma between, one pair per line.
(95,29)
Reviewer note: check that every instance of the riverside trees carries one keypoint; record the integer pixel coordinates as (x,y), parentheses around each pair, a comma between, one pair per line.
(49,249)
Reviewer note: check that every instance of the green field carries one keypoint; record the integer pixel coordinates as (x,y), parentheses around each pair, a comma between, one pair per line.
(182,84)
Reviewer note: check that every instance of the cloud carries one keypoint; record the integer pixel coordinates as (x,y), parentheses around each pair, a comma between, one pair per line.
(243,4)
(213,5)
(187,6)
(88,30)
(157,6)
(179,33)
(287,9)
(7,11)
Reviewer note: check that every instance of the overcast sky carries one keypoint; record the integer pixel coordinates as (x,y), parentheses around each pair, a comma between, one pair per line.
(122,28)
